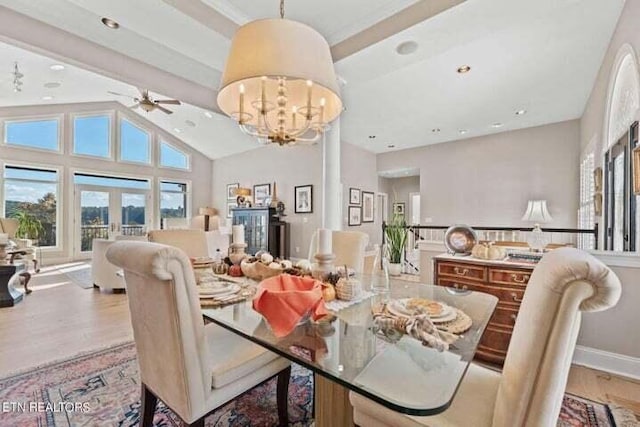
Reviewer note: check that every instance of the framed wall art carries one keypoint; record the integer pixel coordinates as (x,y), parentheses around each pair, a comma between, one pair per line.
(354,196)
(260,193)
(368,201)
(230,207)
(398,208)
(231,190)
(355,216)
(304,199)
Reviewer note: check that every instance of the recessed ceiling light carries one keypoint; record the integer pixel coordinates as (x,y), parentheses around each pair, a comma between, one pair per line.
(52,85)
(464,69)
(462,131)
(57,67)
(372,137)
(208,114)
(190,123)
(521,112)
(391,146)
(435,130)
(110,23)
(47,98)
(497,125)
(407,48)
(177,130)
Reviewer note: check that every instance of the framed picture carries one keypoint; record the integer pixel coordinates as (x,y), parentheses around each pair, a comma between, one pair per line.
(304,199)
(367,206)
(354,196)
(398,208)
(260,193)
(230,206)
(231,190)
(636,170)
(355,215)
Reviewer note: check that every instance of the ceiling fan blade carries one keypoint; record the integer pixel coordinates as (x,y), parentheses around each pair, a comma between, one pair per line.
(119,94)
(168,101)
(134,106)
(143,92)
(164,110)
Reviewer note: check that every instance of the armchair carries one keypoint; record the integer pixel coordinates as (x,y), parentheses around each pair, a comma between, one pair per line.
(25,247)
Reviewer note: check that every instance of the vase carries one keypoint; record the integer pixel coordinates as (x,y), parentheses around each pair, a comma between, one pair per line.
(395,269)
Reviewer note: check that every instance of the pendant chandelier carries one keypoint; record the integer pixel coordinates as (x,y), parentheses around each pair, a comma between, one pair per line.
(279,83)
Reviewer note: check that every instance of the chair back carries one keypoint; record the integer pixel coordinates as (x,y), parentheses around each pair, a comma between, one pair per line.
(566,282)
(348,247)
(192,242)
(167,323)
(9,226)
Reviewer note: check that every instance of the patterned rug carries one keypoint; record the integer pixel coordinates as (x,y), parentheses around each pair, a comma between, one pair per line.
(103,389)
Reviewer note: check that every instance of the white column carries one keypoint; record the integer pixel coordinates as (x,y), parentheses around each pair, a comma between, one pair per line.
(331,185)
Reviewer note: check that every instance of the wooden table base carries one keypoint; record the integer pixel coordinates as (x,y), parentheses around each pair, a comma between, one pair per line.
(332,404)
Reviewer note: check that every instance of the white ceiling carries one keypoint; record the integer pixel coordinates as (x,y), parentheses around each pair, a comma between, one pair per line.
(541,56)
(210,136)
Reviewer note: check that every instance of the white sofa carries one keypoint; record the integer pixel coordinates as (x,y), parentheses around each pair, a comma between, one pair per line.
(104,275)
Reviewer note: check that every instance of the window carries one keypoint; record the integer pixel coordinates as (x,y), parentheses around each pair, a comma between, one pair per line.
(31,195)
(41,134)
(173,199)
(111,181)
(91,136)
(586,211)
(171,157)
(620,202)
(134,143)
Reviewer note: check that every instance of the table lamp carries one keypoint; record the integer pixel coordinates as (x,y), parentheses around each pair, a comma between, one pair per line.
(243,196)
(537,213)
(207,212)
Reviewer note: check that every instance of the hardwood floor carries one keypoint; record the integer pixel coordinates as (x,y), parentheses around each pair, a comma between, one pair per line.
(60,319)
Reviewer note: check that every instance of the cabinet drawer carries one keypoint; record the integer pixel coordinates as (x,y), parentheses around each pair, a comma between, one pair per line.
(494,345)
(509,277)
(510,296)
(466,271)
(505,316)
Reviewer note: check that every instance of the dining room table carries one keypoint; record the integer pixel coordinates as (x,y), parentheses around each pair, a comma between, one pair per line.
(347,352)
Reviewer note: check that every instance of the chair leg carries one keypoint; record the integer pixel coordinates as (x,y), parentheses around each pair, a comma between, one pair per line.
(35,266)
(148,407)
(199,423)
(283,396)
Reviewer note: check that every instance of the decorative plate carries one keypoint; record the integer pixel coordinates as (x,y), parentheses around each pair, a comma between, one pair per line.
(460,239)
(407,307)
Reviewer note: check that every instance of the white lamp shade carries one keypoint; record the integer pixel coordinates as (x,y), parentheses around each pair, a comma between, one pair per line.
(537,212)
(275,48)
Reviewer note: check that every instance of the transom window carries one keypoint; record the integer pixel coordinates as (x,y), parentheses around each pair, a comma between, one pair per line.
(91,136)
(173,199)
(134,143)
(40,134)
(31,196)
(171,157)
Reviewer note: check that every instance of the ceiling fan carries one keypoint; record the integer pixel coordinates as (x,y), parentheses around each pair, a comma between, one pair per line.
(147,103)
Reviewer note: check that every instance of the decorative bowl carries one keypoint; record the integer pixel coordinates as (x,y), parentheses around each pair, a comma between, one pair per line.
(460,239)
(259,271)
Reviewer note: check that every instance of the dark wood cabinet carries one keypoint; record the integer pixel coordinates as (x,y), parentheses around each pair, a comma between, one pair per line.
(505,280)
(263,231)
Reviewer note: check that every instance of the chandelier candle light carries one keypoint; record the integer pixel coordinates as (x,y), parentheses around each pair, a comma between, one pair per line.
(279,83)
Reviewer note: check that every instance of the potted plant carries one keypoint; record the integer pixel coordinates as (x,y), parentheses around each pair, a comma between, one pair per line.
(29,227)
(396,238)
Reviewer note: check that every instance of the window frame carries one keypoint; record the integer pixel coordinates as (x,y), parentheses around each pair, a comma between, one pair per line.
(586,200)
(152,141)
(188,201)
(113,140)
(160,141)
(59,118)
(59,170)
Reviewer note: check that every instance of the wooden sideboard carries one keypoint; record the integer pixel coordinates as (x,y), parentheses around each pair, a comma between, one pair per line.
(505,279)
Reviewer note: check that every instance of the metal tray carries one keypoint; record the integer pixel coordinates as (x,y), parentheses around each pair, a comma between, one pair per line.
(460,239)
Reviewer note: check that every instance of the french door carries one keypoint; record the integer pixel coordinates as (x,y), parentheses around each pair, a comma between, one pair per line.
(104,212)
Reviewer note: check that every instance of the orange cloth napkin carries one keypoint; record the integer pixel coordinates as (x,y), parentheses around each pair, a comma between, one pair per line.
(284,299)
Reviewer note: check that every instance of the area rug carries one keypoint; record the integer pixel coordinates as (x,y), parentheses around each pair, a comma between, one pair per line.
(79,274)
(103,389)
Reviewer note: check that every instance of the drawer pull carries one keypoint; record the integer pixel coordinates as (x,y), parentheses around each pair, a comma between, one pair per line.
(463,287)
(514,317)
(519,278)
(515,297)
(460,272)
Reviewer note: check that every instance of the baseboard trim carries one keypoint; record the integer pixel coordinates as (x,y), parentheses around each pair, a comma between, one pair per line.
(614,363)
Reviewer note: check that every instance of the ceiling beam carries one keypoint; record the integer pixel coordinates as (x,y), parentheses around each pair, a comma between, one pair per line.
(206,15)
(47,40)
(406,18)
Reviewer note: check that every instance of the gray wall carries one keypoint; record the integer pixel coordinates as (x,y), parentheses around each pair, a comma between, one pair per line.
(488,180)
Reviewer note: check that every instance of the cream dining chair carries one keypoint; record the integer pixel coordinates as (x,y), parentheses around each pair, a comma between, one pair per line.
(192,242)
(529,391)
(348,247)
(194,369)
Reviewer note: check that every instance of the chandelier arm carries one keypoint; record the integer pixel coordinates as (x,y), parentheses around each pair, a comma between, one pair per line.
(249,131)
(300,131)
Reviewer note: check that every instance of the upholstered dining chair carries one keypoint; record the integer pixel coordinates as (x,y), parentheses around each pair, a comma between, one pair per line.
(530,389)
(348,247)
(194,369)
(192,242)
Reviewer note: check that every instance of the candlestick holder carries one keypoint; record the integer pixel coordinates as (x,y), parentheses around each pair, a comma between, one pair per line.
(3,254)
(237,252)
(323,267)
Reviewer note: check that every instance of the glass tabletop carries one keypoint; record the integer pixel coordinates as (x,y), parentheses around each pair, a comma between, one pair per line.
(404,375)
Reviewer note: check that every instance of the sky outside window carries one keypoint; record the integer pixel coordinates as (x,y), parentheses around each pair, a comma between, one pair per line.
(91,136)
(42,134)
(172,157)
(134,143)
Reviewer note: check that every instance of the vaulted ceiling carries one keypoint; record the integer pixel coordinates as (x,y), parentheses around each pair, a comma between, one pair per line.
(540,56)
